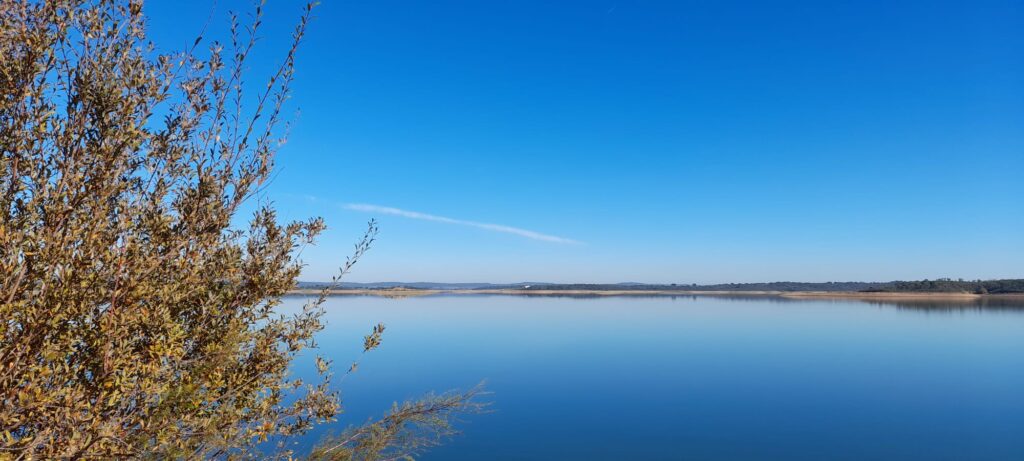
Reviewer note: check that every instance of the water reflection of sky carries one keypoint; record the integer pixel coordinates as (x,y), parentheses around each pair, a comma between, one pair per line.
(696,378)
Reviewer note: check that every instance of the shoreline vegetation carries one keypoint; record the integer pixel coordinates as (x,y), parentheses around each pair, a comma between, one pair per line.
(410,292)
(943,289)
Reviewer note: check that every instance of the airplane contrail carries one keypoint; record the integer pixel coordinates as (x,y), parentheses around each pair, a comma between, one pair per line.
(461,222)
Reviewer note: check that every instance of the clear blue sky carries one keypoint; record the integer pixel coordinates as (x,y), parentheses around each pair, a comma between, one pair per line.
(651,141)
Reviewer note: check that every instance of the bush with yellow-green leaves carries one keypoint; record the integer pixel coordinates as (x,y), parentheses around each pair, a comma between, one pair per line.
(135,321)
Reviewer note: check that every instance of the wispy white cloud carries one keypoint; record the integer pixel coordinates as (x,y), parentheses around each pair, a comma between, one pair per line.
(441,219)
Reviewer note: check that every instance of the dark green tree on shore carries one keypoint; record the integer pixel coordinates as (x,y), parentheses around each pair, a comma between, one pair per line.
(136,321)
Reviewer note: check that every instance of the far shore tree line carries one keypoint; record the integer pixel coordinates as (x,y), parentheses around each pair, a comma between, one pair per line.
(942,285)
(945,285)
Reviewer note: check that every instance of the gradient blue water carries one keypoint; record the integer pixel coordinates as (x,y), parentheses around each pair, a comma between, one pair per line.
(695,378)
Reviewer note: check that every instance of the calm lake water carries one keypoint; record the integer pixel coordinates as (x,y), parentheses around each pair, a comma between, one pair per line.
(695,378)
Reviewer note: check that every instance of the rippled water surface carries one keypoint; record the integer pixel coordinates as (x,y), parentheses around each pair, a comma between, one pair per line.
(695,378)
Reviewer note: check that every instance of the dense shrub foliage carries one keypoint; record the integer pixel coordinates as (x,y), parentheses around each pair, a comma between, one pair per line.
(136,321)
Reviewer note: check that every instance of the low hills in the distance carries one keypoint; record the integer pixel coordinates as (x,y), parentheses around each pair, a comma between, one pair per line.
(1002,286)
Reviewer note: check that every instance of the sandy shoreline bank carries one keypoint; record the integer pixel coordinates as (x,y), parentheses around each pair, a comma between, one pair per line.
(404,292)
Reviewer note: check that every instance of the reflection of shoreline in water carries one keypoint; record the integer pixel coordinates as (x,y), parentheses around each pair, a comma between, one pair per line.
(990,303)
(930,305)
(980,304)
(936,304)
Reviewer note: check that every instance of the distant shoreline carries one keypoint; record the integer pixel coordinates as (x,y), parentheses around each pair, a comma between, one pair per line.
(867,296)
(897,295)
